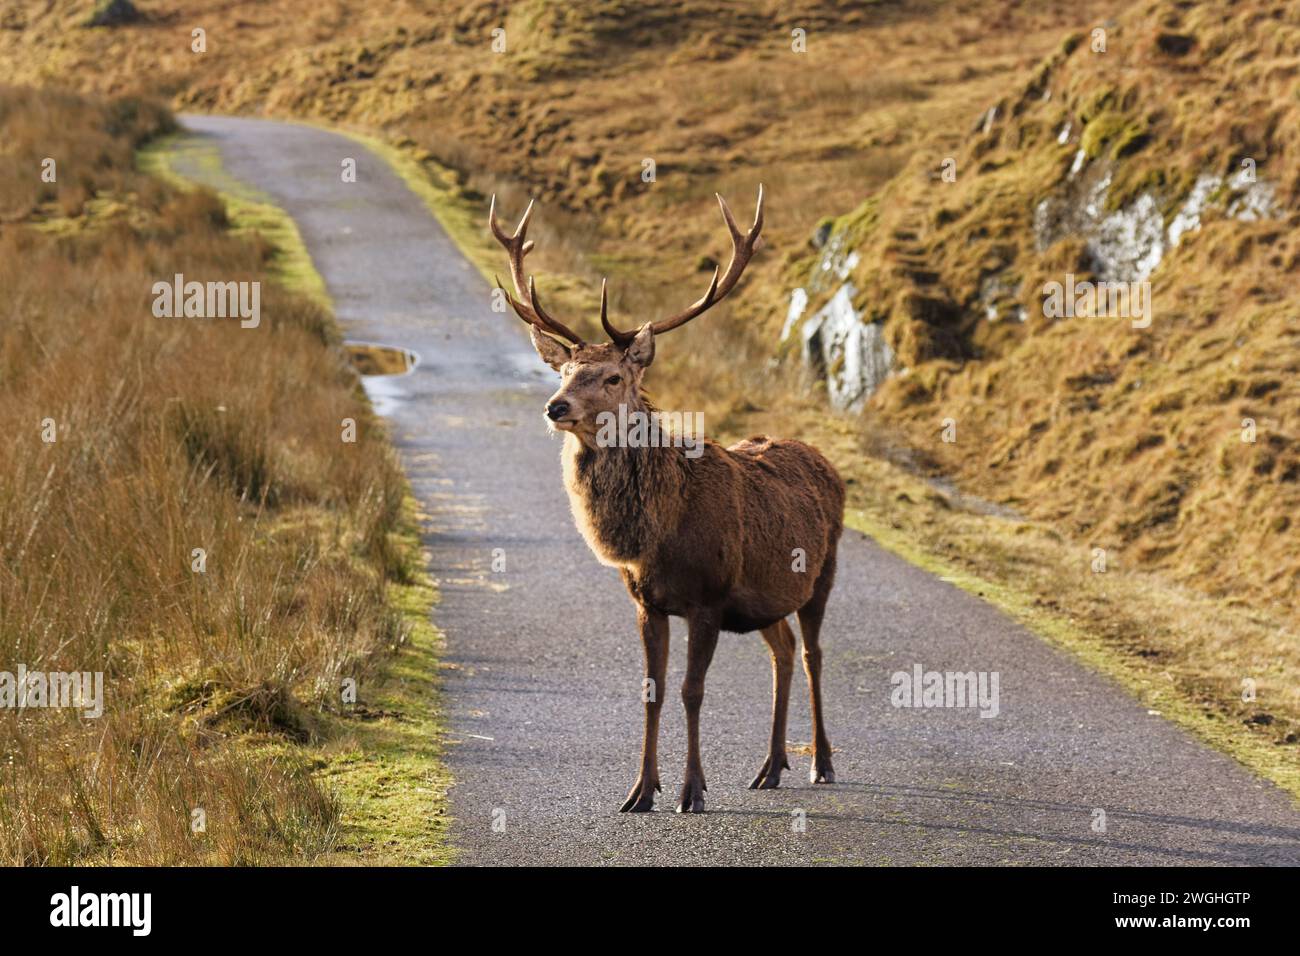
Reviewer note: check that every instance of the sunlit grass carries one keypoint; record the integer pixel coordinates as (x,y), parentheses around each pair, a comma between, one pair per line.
(198,531)
(1098,437)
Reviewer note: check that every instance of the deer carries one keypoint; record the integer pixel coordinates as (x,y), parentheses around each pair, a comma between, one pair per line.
(735,539)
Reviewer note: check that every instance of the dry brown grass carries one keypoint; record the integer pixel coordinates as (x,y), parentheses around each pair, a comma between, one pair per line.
(1099,437)
(711,91)
(172,434)
(1126,439)
(92,143)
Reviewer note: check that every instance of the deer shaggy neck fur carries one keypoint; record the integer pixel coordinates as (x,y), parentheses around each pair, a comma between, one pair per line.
(625,499)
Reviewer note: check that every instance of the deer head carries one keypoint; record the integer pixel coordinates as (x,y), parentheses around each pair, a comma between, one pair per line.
(599,377)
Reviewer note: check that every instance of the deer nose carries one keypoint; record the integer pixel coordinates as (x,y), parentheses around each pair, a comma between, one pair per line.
(556,410)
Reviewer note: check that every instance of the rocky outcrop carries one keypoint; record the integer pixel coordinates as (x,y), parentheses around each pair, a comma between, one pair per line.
(849,354)
(1127,244)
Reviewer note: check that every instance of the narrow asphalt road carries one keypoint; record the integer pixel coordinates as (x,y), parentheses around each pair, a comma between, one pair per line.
(543,664)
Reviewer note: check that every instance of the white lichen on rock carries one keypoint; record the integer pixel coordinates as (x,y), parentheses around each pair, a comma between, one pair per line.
(852,355)
(835,263)
(798,302)
(1188,217)
(998,296)
(1128,244)
(1125,245)
(1253,199)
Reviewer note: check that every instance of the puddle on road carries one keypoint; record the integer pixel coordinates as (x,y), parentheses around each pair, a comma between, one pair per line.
(381,368)
(371,358)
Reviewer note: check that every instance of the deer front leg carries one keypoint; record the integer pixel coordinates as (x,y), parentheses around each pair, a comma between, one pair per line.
(654,640)
(702,634)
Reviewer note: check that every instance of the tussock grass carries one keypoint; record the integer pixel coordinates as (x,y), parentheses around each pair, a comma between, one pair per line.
(92,146)
(1098,436)
(174,435)
(1130,440)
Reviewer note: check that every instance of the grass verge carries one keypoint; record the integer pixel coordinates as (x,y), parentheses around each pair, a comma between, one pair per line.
(379,757)
(181,160)
(383,759)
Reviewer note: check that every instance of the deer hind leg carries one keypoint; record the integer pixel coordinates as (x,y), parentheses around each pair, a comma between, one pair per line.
(810,625)
(780,640)
(654,640)
(702,634)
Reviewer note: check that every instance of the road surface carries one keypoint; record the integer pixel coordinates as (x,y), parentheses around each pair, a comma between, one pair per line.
(543,664)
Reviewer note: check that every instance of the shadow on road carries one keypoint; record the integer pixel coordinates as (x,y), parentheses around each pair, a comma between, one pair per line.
(1286,853)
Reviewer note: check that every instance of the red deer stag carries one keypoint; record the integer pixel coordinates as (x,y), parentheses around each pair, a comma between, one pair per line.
(735,539)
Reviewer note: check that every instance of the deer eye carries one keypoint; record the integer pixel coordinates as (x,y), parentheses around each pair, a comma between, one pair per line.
(613,380)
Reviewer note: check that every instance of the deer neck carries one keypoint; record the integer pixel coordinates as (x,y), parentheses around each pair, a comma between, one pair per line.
(624,499)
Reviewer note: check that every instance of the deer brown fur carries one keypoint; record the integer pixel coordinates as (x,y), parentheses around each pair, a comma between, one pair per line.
(733,539)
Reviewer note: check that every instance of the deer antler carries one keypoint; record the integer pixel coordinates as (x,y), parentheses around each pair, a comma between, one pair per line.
(743,246)
(530,310)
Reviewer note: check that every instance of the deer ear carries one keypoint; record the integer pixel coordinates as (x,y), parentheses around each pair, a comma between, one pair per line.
(642,350)
(553,352)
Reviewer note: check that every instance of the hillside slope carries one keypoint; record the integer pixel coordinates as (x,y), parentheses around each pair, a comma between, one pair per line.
(583,95)
(1170,156)
(1073,437)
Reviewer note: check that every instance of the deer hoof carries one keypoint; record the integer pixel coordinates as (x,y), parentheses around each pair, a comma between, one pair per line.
(692,799)
(641,799)
(824,775)
(769,778)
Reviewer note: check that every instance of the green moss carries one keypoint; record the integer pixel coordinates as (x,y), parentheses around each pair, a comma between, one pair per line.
(1124,135)
(385,767)
(1129,140)
(1171,186)
(186,161)
(858,224)
(1097,103)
